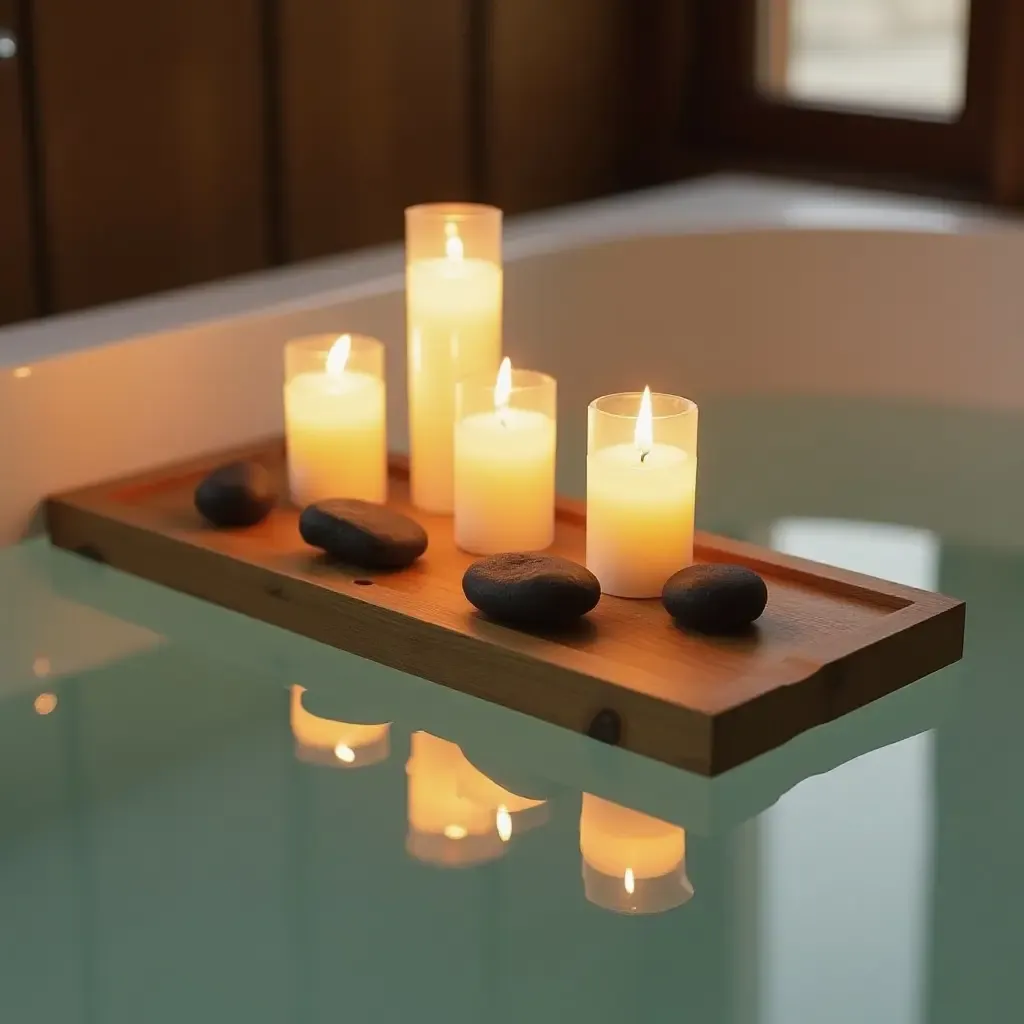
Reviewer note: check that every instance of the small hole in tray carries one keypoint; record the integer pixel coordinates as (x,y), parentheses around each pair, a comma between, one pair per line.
(363,583)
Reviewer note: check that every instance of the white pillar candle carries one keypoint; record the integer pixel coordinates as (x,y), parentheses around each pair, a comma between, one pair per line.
(453,313)
(505,462)
(334,410)
(641,483)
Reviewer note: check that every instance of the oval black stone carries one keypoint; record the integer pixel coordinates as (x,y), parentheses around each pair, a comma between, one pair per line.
(362,533)
(237,494)
(529,589)
(715,598)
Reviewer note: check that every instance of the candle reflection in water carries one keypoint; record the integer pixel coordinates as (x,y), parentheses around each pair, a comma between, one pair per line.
(458,817)
(445,828)
(632,863)
(338,744)
(513,814)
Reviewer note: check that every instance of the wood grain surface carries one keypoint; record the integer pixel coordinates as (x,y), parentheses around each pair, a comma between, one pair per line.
(828,642)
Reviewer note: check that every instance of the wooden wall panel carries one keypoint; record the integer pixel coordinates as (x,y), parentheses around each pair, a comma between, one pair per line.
(17,263)
(560,112)
(375,108)
(1006,177)
(152,121)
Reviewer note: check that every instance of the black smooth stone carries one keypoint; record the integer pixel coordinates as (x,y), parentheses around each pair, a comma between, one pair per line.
(715,598)
(526,589)
(238,494)
(362,533)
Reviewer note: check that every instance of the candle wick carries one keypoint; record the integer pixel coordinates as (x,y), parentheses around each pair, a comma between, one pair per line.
(643,455)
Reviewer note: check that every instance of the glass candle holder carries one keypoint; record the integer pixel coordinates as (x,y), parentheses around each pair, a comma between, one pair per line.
(335,423)
(453,276)
(505,462)
(641,484)
(632,863)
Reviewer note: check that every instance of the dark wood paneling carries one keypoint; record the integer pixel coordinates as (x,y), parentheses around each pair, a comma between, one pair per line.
(561,119)
(1007,169)
(17,266)
(153,143)
(375,103)
(658,88)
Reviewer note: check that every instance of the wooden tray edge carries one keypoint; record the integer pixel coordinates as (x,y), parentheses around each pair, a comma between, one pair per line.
(927,627)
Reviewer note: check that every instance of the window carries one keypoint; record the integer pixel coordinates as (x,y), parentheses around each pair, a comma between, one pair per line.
(906,56)
(925,95)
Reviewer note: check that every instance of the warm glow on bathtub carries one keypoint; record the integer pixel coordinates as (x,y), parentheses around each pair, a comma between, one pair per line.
(45,703)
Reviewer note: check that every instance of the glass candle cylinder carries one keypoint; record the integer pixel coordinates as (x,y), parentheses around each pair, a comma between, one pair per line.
(641,483)
(334,412)
(337,744)
(453,315)
(505,462)
(632,863)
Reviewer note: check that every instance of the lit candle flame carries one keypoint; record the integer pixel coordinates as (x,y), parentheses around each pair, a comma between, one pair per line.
(337,358)
(643,437)
(503,385)
(344,753)
(455,832)
(629,881)
(503,821)
(453,247)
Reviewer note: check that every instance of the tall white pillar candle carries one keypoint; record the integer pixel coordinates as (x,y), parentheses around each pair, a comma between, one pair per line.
(505,462)
(334,412)
(641,484)
(453,314)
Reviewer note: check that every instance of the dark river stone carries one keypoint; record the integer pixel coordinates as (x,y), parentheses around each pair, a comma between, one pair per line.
(362,533)
(715,598)
(531,589)
(237,494)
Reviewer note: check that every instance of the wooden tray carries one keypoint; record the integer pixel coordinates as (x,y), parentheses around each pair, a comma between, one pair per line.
(828,642)
(532,758)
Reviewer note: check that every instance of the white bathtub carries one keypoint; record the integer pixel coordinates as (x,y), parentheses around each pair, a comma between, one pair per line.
(729,290)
